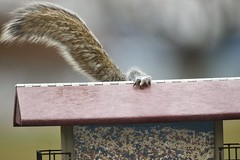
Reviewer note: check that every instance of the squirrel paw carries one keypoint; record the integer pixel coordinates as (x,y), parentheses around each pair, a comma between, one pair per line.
(142,81)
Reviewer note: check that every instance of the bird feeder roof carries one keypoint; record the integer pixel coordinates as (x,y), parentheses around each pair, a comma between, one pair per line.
(59,104)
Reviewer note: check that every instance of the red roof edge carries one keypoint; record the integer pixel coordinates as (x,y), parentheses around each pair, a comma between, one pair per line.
(122,121)
(17,113)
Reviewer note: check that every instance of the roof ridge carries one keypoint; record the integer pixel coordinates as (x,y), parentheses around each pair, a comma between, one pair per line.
(125,82)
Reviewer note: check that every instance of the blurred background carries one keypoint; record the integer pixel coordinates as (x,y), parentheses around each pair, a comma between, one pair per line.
(168,39)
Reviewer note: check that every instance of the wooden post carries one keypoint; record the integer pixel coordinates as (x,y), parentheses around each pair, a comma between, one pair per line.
(218,131)
(67,141)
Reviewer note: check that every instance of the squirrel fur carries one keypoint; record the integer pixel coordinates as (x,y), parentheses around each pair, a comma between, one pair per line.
(57,27)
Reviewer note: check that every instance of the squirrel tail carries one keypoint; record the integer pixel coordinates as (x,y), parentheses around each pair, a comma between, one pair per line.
(56,27)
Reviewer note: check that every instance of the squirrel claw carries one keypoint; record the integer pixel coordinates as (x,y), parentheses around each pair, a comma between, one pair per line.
(142,81)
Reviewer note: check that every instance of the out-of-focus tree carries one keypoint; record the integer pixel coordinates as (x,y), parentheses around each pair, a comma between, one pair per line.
(192,27)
